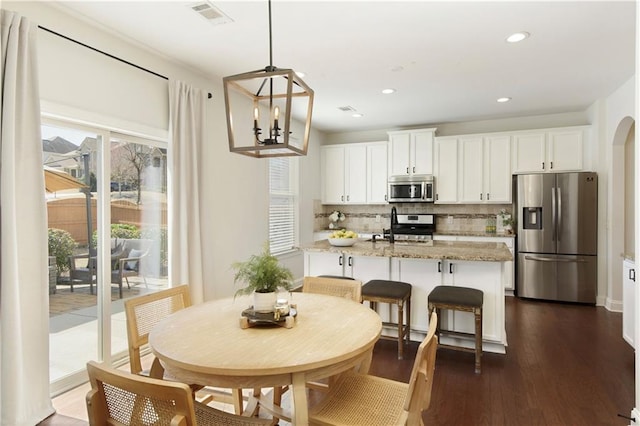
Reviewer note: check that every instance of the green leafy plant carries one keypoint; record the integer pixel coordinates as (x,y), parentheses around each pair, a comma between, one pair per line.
(61,245)
(262,273)
(119,230)
(507,219)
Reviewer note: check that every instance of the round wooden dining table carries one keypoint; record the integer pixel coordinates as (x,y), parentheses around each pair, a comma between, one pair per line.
(205,344)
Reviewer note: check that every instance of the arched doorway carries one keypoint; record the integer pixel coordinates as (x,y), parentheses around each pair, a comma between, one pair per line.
(621,206)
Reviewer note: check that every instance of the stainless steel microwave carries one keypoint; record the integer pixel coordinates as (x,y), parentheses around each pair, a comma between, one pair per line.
(411,189)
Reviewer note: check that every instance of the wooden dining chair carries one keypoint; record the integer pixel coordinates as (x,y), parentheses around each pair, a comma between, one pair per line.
(347,288)
(142,314)
(331,286)
(118,397)
(361,399)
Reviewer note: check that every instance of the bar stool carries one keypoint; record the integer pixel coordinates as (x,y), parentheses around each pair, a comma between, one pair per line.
(383,291)
(459,299)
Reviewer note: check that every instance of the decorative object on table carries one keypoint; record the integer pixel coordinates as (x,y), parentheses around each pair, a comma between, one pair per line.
(505,222)
(335,217)
(251,318)
(264,276)
(343,238)
(273,93)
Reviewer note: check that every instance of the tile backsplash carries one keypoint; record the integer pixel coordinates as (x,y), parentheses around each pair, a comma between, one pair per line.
(375,218)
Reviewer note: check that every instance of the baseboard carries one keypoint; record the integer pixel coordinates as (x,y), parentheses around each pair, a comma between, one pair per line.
(613,305)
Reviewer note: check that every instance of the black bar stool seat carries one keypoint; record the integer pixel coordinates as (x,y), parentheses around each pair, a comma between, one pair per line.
(459,299)
(392,292)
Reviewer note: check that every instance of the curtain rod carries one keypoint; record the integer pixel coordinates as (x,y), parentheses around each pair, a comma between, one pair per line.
(108,54)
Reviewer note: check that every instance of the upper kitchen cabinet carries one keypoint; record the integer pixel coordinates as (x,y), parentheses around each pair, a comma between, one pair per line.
(344,174)
(354,173)
(473,169)
(552,150)
(377,173)
(446,170)
(411,152)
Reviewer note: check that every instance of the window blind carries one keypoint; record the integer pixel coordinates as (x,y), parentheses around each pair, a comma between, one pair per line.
(283,204)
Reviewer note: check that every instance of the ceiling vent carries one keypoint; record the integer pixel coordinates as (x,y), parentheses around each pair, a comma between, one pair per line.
(347,108)
(211,13)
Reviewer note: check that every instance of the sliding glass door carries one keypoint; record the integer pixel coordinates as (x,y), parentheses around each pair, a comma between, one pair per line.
(107,218)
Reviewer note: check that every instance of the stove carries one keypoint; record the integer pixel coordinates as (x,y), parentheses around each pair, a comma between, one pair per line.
(417,227)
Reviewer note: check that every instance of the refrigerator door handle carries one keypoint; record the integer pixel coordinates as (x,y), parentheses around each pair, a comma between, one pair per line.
(559,213)
(547,259)
(554,216)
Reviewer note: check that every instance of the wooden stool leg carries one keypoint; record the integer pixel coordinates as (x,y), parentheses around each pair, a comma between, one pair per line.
(400,330)
(408,320)
(478,317)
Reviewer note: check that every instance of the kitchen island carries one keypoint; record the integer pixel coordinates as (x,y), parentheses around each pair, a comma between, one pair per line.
(478,265)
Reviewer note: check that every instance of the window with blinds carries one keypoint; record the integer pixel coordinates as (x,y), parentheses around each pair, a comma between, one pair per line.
(283,204)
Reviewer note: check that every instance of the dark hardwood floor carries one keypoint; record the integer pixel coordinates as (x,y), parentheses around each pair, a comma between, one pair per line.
(565,365)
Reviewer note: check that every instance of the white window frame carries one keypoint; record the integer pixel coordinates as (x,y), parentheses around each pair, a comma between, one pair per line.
(283,240)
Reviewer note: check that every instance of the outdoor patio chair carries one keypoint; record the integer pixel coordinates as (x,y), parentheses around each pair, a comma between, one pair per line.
(118,397)
(83,274)
(128,262)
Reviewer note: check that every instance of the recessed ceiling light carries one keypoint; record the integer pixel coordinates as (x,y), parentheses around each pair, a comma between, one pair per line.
(388,91)
(503,100)
(357,115)
(516,37)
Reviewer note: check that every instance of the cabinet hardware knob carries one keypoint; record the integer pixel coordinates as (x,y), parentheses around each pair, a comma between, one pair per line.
(632,274)
(347,198)
(481,196)
(487,196)
(451,268)
(407,170)
(385,197)
(439,266)
(414,169)
(350,263)
(543,165)
(340,260)
(551,164)
(342,198)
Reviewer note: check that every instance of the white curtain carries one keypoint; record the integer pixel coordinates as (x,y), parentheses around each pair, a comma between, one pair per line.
(187,128)
(24,296)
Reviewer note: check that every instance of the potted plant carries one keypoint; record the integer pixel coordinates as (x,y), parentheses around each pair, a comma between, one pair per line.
(507,221)
(263,276)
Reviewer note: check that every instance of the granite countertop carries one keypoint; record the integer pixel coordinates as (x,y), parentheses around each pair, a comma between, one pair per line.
(472,234)
(447,250)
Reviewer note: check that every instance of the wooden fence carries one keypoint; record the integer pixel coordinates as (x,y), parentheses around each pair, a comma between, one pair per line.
(70,214)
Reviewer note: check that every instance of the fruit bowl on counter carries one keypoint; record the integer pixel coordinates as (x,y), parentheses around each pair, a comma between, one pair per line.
(343,238)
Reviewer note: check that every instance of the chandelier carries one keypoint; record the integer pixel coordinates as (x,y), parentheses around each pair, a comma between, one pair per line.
(259,106)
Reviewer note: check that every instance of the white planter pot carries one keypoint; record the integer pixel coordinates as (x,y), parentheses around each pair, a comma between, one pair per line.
(264,302)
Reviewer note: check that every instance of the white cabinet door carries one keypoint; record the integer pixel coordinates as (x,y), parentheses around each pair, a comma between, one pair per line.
(333,166)
(485,276)
(377,173)
(411,152)
(497,169)
(553,150)
(424,276)
(399,153)
(446,170)
(356,174)
(470,172)
(564,150)
(365,268)
(323,263)
(422,152)
(628,301)
(529,152)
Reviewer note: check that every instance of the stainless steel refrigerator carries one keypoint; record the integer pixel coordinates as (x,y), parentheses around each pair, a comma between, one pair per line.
(557,220)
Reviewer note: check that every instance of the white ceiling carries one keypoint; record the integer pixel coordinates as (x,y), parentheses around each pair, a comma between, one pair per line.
(449,61)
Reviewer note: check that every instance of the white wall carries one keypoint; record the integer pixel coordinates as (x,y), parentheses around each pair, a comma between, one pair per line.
(235,197)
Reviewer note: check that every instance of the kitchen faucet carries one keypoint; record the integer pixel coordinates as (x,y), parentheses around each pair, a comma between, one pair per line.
(394,221)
